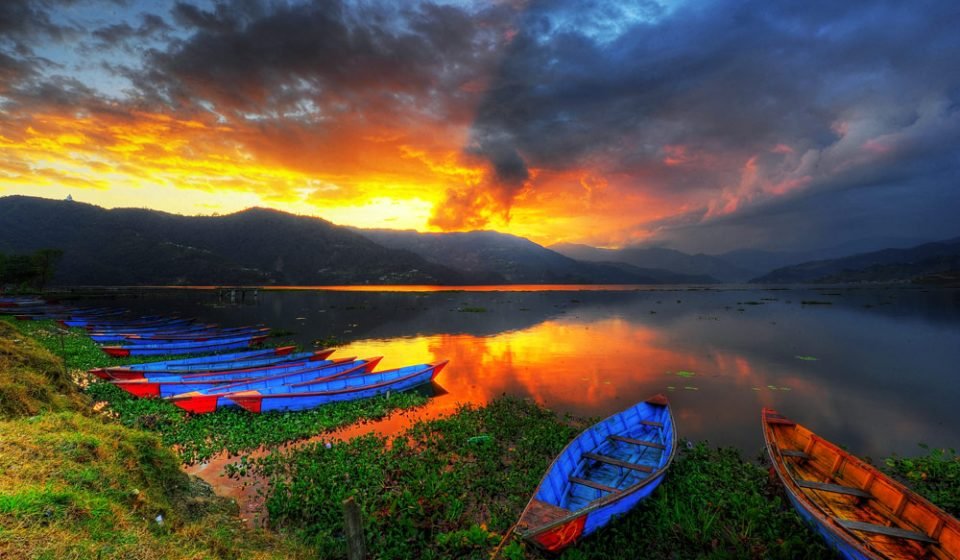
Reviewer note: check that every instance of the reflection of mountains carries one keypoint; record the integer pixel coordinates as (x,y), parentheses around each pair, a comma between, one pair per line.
(392,315)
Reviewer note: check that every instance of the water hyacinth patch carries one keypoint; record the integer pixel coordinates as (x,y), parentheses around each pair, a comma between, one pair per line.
(197,438)
(436,492)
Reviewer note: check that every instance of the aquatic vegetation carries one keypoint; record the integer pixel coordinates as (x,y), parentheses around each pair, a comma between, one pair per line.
(935,475)
(433,493)
(440,491)
(806,358)
(685,373)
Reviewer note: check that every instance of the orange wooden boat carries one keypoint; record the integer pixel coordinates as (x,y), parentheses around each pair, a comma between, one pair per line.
(861,512)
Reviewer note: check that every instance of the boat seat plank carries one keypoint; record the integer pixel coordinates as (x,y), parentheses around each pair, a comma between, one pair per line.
(617,462)
(639,442)
(835,488)
(794,453)
(651,423)
(541,513)
(782,421)
(592,484)
(884,530)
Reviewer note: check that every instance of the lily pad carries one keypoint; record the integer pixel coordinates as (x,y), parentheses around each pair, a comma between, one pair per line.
(806,358)
(691,388)
(685,374)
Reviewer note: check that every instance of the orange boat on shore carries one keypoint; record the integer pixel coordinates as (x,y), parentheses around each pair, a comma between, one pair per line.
(860,511)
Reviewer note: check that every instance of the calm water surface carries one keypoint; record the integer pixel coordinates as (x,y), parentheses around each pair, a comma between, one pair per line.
(874,369)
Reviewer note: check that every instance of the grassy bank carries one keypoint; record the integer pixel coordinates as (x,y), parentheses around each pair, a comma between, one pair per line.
(200,437)
(78,484)
(74,484)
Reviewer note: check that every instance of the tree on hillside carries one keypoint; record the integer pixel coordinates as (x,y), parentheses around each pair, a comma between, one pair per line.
(44,262)
(29,271)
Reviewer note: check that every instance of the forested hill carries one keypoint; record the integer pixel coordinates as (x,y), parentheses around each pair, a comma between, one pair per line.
(256,246)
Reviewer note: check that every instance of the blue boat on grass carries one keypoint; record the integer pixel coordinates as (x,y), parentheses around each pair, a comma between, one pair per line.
(221,336)
(212,363)
(207,400)
(192,332)
(311,394)
(603,473)
(171,385)
(180,347)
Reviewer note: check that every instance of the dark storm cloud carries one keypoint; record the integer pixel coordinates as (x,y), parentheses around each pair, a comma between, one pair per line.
(248,58)
(803,88)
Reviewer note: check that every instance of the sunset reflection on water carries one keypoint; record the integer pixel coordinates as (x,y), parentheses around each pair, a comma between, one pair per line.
(873,370)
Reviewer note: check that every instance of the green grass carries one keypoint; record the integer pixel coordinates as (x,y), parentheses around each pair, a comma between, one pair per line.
(31,379)
(74,484)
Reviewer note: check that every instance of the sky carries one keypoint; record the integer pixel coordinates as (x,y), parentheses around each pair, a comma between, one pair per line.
(698,125)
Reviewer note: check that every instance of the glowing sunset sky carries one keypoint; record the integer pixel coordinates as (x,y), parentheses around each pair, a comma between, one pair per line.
(701,125)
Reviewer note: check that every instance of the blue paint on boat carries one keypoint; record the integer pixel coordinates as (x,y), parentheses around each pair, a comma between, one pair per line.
(303,396)
(250,358)
(597,477)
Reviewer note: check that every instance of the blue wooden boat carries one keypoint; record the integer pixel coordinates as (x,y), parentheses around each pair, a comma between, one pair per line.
(208,400)
(170,385)
(603,473)
(147,340)
(93,324)
(160,349)
(211,363)
(311,394)
(862,513)
(128,330)
(106,336)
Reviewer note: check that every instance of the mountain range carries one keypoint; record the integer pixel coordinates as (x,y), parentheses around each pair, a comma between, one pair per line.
(516,260)
(269,247)
(888,265)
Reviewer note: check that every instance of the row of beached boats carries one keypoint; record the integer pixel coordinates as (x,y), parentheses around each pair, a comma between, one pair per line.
(615,464)
(226,367)
(603,473)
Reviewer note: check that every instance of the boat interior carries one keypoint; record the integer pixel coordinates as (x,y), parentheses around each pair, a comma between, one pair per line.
(881,515)
(609,457)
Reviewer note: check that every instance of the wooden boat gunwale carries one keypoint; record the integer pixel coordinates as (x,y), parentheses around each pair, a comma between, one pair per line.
(603,501)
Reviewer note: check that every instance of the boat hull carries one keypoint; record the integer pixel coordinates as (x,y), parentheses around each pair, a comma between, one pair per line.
(859,511)
(557,515)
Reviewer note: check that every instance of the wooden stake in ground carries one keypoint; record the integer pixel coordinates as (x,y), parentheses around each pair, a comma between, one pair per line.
(356,547)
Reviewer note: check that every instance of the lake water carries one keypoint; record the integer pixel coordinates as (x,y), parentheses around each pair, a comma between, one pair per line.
(873,369)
